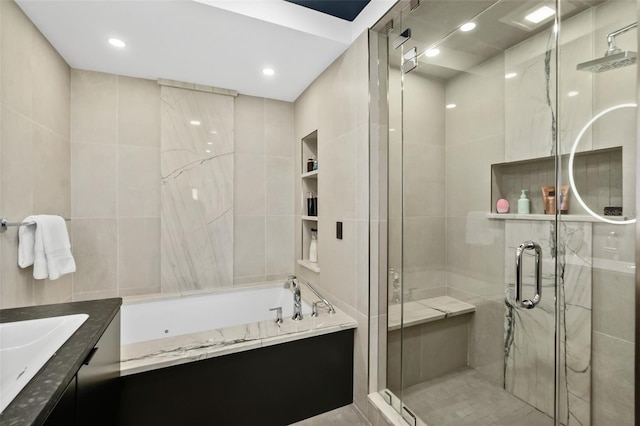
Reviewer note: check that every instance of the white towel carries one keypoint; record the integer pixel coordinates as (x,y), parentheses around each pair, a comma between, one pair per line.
(46,247)
(26,242)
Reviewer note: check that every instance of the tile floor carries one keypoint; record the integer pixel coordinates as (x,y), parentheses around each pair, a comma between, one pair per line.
(344,416)
(466,398)
(458,399)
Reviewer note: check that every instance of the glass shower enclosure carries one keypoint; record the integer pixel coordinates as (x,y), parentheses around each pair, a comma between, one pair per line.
(510,241)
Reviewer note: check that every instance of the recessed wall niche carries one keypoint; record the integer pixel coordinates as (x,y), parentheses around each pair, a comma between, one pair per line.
(597,175)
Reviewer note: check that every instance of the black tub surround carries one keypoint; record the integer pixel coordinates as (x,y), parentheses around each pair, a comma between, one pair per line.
(266,386)
(37,400)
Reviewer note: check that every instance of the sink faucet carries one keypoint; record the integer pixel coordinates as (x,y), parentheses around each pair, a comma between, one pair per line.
(293,284)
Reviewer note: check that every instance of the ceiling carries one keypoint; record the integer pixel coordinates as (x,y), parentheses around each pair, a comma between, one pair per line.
(500,25)
(221,43)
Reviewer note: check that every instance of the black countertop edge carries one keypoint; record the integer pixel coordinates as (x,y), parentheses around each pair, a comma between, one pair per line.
(37,399)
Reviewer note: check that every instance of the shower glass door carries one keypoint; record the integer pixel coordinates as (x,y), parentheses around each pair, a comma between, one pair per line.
(524,316)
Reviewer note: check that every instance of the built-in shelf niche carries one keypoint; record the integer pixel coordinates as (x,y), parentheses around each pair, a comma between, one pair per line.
(309,184)
(597,174)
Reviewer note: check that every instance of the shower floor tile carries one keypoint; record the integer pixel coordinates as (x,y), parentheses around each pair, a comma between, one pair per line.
(467,398)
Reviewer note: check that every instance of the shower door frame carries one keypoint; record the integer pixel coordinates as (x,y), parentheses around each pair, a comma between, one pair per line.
(382,279)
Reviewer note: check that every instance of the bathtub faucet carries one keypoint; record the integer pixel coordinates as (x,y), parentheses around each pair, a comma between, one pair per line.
(293,284)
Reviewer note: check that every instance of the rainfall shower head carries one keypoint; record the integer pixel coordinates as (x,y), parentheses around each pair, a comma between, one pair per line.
(609,62)
(613,57)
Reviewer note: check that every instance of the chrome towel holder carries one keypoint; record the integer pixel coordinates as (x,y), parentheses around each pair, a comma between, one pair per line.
(4,224)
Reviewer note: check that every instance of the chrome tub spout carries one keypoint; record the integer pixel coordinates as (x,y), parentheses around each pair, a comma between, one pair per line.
(292,283)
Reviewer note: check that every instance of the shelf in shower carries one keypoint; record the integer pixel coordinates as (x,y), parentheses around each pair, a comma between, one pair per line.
(310,175)
(311,218)
(549,217)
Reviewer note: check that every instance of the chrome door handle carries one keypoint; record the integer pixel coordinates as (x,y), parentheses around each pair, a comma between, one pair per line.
(529,304)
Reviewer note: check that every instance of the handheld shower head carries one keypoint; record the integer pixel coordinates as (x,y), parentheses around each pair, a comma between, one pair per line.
(613,57)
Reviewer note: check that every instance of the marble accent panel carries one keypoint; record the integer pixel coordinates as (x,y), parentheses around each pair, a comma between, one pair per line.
(530,117)
(160,353)
(197,164)
(529,334)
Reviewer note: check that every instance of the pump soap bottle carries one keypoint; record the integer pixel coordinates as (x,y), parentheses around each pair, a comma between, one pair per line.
(524,204)
(313,247)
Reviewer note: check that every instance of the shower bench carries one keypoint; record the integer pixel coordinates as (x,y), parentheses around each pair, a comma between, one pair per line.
(427,310)
(434,339)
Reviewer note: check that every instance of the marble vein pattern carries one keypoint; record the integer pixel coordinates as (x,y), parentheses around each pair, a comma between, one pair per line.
(529,352)
(160,353)
(197,166)
(530,116)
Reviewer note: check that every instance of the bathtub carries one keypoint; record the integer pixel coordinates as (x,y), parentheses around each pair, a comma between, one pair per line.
(203,358)
(150,319)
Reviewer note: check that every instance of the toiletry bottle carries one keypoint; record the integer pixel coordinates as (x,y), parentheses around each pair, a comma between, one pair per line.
(313,247)
(524,204)
(310,163)
(312,206)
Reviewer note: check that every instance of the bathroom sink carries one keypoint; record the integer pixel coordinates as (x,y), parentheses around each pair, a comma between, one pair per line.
(26,346)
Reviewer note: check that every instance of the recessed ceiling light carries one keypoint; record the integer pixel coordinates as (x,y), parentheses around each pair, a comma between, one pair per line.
(207,151)
(432,52)
(213,132)
(268,71)
(194,122)
(467,27)
(540,14)
(117,42)
(451,106)
(510,75)
(572,93)
(209,143)
(392,130)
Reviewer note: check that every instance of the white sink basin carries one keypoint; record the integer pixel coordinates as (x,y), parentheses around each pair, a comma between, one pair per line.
(26,346)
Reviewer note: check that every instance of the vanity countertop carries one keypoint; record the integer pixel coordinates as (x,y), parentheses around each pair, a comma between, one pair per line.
(38,398)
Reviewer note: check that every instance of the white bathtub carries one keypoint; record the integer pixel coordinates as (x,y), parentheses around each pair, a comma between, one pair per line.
(144,320)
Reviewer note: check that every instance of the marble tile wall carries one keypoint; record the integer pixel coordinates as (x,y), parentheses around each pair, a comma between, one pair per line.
(34,149)
(115,169)
(429,350)
(422,176)
(529,334)
(475,245)
(124,186)
(613,250)
(86,145)
(263,190)
(336,104)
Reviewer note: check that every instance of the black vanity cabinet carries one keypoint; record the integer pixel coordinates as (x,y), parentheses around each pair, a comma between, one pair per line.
(92,397)
(79,385)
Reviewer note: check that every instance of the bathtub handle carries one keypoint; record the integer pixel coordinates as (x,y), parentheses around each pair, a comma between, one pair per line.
(278,314)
